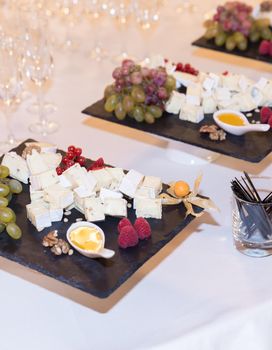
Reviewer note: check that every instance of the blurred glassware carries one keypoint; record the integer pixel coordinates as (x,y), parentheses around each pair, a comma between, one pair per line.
(186,6)
(11,84)
(38,68)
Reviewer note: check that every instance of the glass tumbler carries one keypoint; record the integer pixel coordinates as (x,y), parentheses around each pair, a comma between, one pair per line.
(252,227)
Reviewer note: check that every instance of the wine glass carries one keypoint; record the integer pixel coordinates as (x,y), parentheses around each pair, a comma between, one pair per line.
(38,67)
(10,88)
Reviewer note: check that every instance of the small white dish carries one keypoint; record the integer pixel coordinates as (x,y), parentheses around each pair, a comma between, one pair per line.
(241,129)
(102,253)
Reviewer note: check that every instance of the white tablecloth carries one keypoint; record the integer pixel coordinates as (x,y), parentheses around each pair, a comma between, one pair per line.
(198,292)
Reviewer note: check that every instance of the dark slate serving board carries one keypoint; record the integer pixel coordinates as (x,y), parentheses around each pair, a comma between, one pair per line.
(95,276)
(251,52)
(252,147)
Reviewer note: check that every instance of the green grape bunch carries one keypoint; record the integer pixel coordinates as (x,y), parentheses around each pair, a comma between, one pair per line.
(8,187)
(138,92)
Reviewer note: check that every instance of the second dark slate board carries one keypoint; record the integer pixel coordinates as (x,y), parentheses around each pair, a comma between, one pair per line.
(98,277)
(251,52)
(252,147)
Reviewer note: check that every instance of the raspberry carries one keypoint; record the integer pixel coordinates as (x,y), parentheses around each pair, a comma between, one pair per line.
(122,223)
(270,49)
(270,121)
(225,73)
(264,47)
(179,67)
(128,237)
(142,228)
(97,165)
(265,114)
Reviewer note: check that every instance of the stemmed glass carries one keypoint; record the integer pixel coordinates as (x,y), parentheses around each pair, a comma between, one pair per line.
(10,87)
(38,67)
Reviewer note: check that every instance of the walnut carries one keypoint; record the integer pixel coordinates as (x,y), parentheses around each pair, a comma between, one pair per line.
(28,150)
(50,239)
(62,247)
(266,6)
(215,134)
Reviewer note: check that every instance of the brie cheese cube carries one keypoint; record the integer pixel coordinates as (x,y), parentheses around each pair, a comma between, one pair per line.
(176,100)
(191,113)
(131,182)
(246,102)
(209,105)
(148,208)
(38,215)
(105,194)
(117,175)
(45,147)
(115,207)
(78,176)
(244,83)
(216,79)
(36,163)
(103,178)
(59,196)
(154,183)
(145,192)
(93,209)
(44,180)
(231,82)
(208,84)
(56,214)
(79,203)
(17,165)
(35,195)
(193,94)
(261,84)
(193,100)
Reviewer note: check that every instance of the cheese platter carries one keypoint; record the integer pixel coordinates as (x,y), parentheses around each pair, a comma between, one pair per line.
(124,210)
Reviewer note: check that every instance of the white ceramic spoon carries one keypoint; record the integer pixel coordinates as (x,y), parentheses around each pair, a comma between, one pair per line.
(102,253)
(238,130)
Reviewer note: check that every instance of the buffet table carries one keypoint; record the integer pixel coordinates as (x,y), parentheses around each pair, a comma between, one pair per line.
(196,293)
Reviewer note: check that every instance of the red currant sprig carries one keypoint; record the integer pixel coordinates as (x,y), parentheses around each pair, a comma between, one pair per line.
(72,156)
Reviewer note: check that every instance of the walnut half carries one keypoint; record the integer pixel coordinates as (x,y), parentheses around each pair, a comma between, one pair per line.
(50,239)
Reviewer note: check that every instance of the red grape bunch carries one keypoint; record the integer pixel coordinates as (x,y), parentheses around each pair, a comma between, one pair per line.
(138,92)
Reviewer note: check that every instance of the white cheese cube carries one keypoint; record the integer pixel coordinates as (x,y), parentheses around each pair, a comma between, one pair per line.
(216,79)
(64,181)
(39,216)
(244,83)
(117,175)
(145,192)
(170,68)
(44,180)
(176,100)
(193,94)
(231,82)
(35,163)
(59,196)
(223,94)
(103,178)
(246,102)
(130,183)
(35,195)
(261,84)
(115,207)
(209,105)
(105,193)
(52,160)
(17,165)
(208,84)
(191,113)
(84,192)
(193,100)
(184,79)
(93,209)
(148,208)
(56,214)
(156,61)
(154,183)
(78,176)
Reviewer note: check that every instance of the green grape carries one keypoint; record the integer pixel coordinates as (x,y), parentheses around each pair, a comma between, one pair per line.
(238,37)
(14,231)
(266,33)
(210,33)
(9,197)
(4,190)
(2,228)
(109,90)
(230,43)
(3,202)
(220,39)
(254,36)
(7,215)
(155,111)
(111,103)
(149,118)
(119,111)
(5,181)
(138,94)
(242,45)
(138,114)
(262,23)
(170,83)
(15,186)
(128,103)
(4,171)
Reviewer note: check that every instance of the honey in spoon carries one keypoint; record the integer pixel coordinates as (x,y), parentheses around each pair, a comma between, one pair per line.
(231,119)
